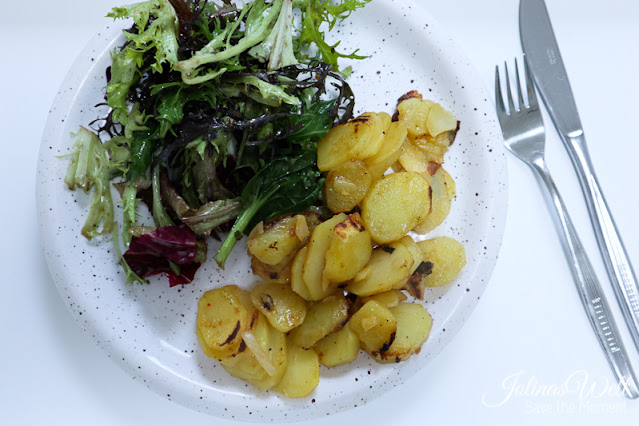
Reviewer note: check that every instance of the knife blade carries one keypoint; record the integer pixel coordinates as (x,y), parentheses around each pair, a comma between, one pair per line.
(549,74)
(548,71)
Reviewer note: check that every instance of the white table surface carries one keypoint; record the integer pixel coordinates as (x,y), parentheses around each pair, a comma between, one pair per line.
(526,356)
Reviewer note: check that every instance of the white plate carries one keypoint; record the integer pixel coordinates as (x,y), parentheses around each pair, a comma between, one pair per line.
(150,330)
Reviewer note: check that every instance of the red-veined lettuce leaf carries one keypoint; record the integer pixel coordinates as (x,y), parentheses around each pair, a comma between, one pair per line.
(170,250)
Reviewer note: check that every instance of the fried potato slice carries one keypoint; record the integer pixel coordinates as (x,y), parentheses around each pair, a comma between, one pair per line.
(443,187)
(413,328)
(283,308)
(433,154)
(395,204)
(223,315)
(346,185)
(395,136)
(349,250)
(387,269)
(381,122)
(297,279)
(324,317)
(374,325)
(278,240)
(358,138)
(440,120)
(448,257)
(340,347)
(263,362)
(313,270)
(414,250)
(412,158)
(302,372)
(387,299)
(414,113)
(443,140)
(280,273)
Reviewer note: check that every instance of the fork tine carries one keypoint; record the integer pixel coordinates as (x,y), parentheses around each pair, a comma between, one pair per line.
(499,99)
(520,96)
(532,96)
(511,104)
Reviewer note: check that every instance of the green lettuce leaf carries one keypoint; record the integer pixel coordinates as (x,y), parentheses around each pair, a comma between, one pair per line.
(277,49)
(259,18)
(157,36)
(90,169)
(317,12)
(268,92)
(129,208)
(286,184)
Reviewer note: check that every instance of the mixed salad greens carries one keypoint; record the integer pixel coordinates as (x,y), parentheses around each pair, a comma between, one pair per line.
(215,109)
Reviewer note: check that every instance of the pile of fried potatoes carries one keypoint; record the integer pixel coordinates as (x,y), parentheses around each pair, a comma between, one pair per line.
(337,286)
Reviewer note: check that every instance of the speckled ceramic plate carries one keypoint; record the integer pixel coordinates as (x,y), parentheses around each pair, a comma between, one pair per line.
(150,330)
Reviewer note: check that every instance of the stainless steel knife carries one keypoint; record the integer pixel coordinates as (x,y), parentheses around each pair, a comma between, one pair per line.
(547,68)
(543,57)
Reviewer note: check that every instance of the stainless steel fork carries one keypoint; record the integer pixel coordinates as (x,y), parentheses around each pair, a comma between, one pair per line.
(524,133)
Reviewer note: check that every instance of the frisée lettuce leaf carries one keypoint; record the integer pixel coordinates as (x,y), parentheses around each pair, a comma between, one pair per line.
(156,27)
(88,169)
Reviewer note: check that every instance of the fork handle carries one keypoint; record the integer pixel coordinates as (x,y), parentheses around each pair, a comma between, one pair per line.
(618,266)
(592,297)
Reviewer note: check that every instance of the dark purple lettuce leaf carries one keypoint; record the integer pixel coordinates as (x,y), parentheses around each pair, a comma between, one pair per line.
(170,250)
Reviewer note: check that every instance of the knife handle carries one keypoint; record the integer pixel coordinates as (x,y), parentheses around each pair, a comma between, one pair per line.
(592,297)
(618,266)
